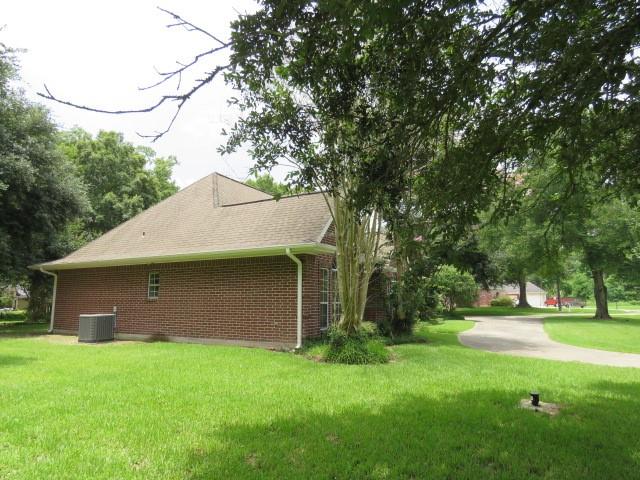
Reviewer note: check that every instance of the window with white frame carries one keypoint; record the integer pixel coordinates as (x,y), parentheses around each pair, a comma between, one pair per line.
(335,311)
(324,298)
(154,285)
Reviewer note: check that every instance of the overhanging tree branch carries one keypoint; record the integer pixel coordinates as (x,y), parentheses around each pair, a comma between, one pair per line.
(178,99)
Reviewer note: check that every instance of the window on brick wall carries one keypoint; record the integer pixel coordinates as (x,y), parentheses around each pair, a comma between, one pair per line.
(154,285)
(335,311)
(324,298)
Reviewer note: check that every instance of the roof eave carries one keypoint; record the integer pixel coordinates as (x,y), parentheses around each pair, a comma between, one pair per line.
(302,248)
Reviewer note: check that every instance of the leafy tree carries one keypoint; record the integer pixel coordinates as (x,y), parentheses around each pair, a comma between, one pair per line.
(579,285)
(268,184)
(616,290)
(39,194)
(594,221)
(335,90)
(455,287)
(121,179)
(510,244)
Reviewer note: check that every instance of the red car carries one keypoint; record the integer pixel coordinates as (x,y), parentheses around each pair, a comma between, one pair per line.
(566,302)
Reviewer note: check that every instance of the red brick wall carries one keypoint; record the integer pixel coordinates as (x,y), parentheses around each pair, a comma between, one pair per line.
(251,299)
(484,298)
(374,310)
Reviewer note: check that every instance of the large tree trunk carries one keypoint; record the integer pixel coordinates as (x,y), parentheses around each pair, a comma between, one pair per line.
(357,243)
(522,298)
(39,297)
(600,294)
(558,295)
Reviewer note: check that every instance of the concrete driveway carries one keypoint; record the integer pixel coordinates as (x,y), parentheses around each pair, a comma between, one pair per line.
(525,337)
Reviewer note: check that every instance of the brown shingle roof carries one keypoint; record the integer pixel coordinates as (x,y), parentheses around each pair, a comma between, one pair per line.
(215,215)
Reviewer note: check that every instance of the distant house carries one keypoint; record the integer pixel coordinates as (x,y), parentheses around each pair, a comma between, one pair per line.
(219,261)
(535,295)
(18,296)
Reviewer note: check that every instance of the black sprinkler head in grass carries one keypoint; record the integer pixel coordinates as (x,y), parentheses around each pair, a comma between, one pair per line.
(535,398)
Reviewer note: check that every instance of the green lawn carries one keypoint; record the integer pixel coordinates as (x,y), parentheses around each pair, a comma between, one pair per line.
(439,410)
(622,334)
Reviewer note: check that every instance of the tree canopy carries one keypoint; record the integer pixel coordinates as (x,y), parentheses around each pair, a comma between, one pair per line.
(121,179)
(39,194)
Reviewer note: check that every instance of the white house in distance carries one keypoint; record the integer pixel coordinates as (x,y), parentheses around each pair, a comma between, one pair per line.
(535,295)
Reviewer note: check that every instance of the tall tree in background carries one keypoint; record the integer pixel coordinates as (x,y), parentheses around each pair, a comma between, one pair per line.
(121,179)
(594,221)
(39,194)
(335,90)
(268,184)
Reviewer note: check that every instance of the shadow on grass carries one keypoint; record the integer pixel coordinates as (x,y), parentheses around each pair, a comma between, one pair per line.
(481,434)
(20,329)
(11,360)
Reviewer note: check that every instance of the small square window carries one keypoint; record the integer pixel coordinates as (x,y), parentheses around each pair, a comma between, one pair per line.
(154,285)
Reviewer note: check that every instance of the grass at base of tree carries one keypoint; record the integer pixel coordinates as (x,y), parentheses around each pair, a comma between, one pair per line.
(621,334)
(165,410)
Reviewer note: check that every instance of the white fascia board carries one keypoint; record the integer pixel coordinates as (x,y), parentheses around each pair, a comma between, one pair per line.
(303,248)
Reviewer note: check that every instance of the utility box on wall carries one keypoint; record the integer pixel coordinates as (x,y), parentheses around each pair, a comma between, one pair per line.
(96,328)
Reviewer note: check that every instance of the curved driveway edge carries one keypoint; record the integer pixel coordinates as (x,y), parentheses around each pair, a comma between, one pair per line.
(525,337)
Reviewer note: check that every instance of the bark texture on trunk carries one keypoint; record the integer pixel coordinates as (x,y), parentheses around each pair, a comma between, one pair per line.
(522,298)
(357,243)
(558,296)
(600,294)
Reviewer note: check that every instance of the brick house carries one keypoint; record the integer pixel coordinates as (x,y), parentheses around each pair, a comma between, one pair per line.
(218,262)
(535,295)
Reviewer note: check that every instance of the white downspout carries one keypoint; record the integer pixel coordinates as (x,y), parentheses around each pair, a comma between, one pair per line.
(299,303)
(53,301)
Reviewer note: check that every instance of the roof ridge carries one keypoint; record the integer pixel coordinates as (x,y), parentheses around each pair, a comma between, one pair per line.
(272,199)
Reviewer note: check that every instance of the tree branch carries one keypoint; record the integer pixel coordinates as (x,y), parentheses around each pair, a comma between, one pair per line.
(179,99)
(189,27)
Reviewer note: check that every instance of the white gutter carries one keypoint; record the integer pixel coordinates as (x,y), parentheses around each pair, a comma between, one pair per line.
(310,248)
(299,301)
(53,301)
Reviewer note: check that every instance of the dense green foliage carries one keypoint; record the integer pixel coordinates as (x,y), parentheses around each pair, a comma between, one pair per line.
(121,179)
(344,91)
(362,348)
(456,288)
(201,412)
(268,184)
(39,194)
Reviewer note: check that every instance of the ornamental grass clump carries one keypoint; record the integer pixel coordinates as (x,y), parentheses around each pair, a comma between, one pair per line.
(360,348)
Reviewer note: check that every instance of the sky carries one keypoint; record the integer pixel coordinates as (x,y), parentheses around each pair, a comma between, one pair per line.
(100,53)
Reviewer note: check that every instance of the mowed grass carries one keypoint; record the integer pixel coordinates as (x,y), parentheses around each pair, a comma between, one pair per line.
(621,334)
(439,410)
